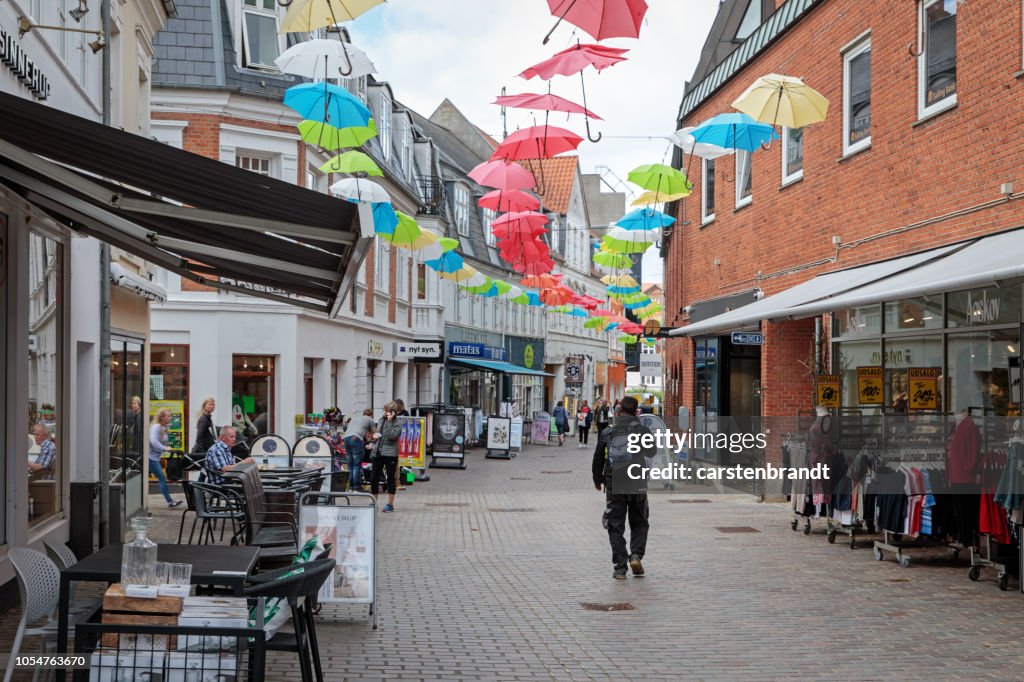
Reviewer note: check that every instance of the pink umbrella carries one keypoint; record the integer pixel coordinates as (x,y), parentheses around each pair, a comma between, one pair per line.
(546,102)
(631,328)
(574,60)
(536,142)
(509,200)
(559,295)
(586,302)
(531,218)
(503,175)
(535,267)
(600,18)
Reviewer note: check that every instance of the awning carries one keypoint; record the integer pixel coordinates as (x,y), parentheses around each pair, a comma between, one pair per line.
(821,288)
(140,286)
(498,366)
(205,220)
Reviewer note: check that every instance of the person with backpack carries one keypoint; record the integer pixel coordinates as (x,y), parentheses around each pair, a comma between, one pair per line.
(561,422)
(624,496)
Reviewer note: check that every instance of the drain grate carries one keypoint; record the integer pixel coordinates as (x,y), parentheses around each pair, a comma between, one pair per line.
(689,501)
(511,509)
(521,478)
(556,472)
(446,504)
(617,606)
(736,529)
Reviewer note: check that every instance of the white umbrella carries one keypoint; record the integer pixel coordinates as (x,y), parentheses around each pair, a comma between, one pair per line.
(514,292)
(361,189)
(321,58)
(682,139)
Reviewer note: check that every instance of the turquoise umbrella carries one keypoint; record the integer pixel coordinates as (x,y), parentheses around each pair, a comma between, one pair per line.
(326,103)
(449,261)
(645,219)
(734,131)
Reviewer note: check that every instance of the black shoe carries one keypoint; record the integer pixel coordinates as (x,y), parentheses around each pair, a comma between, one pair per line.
(638,568)
(619,573)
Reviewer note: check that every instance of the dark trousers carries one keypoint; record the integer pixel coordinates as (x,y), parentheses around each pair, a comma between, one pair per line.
(584,433)
(389,465)
(617,509)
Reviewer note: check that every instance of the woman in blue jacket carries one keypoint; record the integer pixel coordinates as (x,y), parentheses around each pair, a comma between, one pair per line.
(561,422)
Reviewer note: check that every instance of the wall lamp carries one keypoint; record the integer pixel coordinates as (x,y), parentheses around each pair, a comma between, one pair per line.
(25,24)
(80,11)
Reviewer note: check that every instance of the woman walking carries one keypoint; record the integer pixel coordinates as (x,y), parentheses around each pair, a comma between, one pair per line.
(206,434)
(157,446)
(386,459)
(561,422)
(584,419)
(603,415)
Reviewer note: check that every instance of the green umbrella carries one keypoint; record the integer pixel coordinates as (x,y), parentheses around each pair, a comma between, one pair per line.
(447,243)
(352,162)
(328,137)
(503,286)
(613,260)
(659,178)
(627,338)
(406,232)
(609,243)
(596,323)
(478,289)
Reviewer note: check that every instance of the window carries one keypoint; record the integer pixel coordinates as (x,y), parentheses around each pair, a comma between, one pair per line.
(751,20)
(707,191)
(937,63)
(489,217)
(252,395)
(256,164)
(857,97)
(259,34)
(462,209)
(314,179)
(401,278)
(792,154)
(421,282)
(383,119)
(380,266)
(744,183)
(405,147)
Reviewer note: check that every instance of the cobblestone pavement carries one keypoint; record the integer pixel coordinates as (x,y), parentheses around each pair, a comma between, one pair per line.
(482,574)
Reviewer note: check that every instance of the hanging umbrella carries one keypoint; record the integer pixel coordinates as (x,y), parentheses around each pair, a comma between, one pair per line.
(616,261)
(564,309)
(596,323)
(602,312)
(684,140)
(648,197)
(478,284)
(425,238)
(492,290)
(574,60)
(502,175)
(405,233)
(631,328)
(545,281)
(328,137)
(576,312)
(659,178)
(600,18)
(627,338)
(782,100)
(326,103)
(509,200)
(616,292)
(464,275)
(619,280)
(645,219)
(559,295)
(536,142)
(584,301)
(534,266)
(513,292)
(352,162)
(734,131)
(520,222)
(546,102)
(384,218)
(360,189)
(625,241)
(503,286)
(322,59)
(305,16)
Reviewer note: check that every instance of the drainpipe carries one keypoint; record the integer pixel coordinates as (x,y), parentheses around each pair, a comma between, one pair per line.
(104,423)
(817,345)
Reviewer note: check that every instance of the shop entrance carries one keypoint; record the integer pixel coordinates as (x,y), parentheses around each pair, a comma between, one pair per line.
(726,385)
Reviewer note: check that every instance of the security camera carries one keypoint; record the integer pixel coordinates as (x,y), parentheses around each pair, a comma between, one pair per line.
(758,294)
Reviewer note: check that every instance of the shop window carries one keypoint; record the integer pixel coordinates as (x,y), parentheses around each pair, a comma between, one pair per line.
(792,154)
(937,62)
(908,314)
(129,425)
(852,356)
(857,97)
(983,373)
(979,307)
(259,34)
(252,395)
(462,210)
(46,447)
(899,356)
(857,321)
(744,183)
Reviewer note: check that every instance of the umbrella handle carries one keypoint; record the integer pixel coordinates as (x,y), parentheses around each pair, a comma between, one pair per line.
(344,51)
(589,137)
(284,3)
(548,36)
(586,119)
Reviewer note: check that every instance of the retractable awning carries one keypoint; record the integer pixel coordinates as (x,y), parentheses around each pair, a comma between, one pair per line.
(208,221)
(498,366)
(822,288)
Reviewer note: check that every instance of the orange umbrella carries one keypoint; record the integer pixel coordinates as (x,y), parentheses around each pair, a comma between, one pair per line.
(546,281)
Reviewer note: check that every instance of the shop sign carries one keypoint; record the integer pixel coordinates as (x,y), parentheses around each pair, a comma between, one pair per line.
(574,370)
(375,349)
(828,390)
(650,364)
(528,356)
(747,339)
(466,350)
(421,351)
(924,388)
(706,353)
(15,59)
(524,352)
(869,385)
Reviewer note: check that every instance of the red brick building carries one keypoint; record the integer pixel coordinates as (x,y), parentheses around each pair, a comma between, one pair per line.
(923,133)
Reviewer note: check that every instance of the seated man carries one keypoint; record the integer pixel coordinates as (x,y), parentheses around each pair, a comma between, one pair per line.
(219,458)
(43,466)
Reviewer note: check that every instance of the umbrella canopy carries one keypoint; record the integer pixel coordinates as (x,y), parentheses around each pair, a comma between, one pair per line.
(734,131)
(525,222)
(577,312)
(360,189)
(575,59)
(615,261)
(434,251)
(352,162)
(406,232)
(619,240)
(627,338)
(602,312)
(329,137)
(513,292)
(559,295)
(385,220)
(584,301)
(631,328)
(684,140)
(326,103)
(782,100)
(596,323)
(321,58)
(450,261)
(503,286)
(547,102)
(509,200)
(426,238)
(464,275)
(534,266)
(545,281)
(649,197)
(502,175)
(645,219)
(537,142)
(618,292)
(602,18)
(619,280)
(305,16)
(659,178)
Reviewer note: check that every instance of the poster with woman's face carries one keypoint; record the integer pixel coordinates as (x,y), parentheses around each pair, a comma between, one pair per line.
(449,433)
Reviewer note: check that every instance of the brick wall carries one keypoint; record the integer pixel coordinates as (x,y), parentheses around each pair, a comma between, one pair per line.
(912,171)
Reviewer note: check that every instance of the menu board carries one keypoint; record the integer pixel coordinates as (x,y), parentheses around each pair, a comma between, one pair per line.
(869,385)
(176,429)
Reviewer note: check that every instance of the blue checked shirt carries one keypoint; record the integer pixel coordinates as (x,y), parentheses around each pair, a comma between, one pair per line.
(47,455)
(218,457)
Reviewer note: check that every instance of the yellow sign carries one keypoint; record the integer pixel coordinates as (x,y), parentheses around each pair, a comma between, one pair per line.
(176,429)
(828,390)
(924,388)
(412,442)
(869,385)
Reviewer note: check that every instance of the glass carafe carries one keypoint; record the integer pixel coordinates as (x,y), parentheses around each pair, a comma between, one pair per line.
(138,557)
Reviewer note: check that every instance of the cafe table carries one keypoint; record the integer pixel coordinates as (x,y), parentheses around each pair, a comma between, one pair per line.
(216,565)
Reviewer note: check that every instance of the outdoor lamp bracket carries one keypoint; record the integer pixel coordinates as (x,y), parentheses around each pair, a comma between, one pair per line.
(26,24)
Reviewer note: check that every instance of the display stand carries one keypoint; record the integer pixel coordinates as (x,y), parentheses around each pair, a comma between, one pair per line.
(447,430)
(499,437)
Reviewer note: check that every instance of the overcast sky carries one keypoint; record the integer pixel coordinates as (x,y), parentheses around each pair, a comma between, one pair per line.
(467,50)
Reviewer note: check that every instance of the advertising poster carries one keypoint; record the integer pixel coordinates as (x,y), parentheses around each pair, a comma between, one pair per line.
(924,388)
(499,433)
(176,429)
(828,390)
(312,452)
(350,531)
(412,442)
(516,435)
(541,427)
(869,385)
(449,434)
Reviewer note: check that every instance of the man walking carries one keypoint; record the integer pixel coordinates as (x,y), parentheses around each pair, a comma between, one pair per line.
(625,497)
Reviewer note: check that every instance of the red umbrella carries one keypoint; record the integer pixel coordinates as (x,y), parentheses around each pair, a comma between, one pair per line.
(548,102)
(541,282)
(602,312)
(630,328)
(502,175)
(559,295)
(519,220)
(509,200)
(600,18)
(536,142)
(574,60)
(534,268)
(586,302)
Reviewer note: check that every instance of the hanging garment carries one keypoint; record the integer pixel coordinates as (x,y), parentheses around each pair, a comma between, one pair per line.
(962,452)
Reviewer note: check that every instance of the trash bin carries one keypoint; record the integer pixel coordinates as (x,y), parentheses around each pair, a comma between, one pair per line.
(84,518)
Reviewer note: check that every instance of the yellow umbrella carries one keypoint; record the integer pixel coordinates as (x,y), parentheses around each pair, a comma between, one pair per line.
(649,197)
(782,100)
(619,280)
(305,16)
(466,273)
(425,238)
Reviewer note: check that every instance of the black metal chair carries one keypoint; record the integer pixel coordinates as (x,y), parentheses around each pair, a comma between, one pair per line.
(213,503)
(190,506)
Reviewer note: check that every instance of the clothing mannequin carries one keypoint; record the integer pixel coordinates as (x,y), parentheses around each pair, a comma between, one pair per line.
(821,411)
(961,415)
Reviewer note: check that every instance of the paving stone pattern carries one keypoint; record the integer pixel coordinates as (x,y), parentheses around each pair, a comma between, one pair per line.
(472,594)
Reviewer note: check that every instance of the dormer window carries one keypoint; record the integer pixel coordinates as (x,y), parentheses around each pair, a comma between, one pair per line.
(751,20)
(383,120)
(261,45)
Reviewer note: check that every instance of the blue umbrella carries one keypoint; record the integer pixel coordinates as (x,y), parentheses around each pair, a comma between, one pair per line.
(734,131)
(534,298)
(450,261)
(645,219)
(577,312)
(384,218)
(492,292)
(638,304)
(326,103)
(622,290)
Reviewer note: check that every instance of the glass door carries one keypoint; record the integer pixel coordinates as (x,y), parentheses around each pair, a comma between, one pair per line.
(128,423)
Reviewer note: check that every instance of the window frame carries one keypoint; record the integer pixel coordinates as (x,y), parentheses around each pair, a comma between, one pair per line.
(855,49)
(799,174)
(462,208)
(705,216)
(487,217)
(925,110)
(241,154)
(246,55)
(742,201)
(384,130)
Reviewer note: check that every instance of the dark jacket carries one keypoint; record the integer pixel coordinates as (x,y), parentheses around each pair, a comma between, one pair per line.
(205,434)
(387,446)
(561,418)
(604,414)
(624,424)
